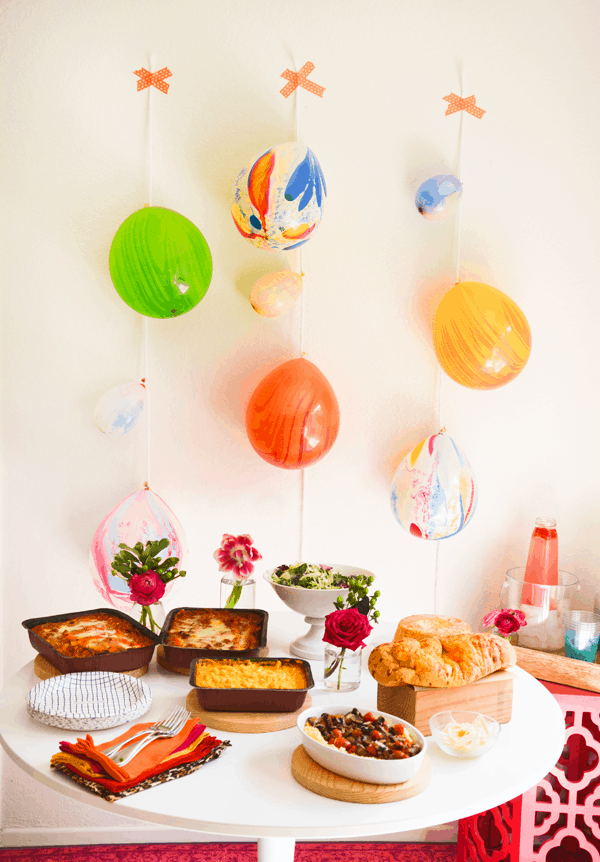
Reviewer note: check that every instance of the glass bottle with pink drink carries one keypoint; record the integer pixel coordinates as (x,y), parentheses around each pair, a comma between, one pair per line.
(541,590)
(542,560)
(539,599)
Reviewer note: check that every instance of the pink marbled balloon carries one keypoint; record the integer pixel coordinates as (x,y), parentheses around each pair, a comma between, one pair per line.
(140,517)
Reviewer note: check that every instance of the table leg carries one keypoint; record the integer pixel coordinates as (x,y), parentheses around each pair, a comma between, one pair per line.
(276,849)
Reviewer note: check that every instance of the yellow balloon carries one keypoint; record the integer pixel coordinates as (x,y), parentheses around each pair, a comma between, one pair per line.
(481,337)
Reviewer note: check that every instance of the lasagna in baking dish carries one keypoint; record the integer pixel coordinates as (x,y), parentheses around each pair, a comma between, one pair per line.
(91,634)
(206,628)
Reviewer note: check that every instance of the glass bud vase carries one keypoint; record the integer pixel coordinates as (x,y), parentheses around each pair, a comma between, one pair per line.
(341,670)
(237,594)
(153,620)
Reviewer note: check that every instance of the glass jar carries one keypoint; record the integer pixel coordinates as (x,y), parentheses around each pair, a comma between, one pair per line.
(341,670)
(151,616)
(237,594)
(543,606)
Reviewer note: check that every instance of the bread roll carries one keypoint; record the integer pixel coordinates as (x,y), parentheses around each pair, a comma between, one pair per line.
(430,625)
(438,653)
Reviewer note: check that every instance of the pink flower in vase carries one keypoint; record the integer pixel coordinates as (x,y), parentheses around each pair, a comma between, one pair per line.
(346,628)
(507,622)
(236,555)
(146,588)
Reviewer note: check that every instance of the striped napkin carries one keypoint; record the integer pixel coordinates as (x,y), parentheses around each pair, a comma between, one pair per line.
(160,761)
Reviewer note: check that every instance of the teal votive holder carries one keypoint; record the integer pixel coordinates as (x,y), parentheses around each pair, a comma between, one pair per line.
(582,633)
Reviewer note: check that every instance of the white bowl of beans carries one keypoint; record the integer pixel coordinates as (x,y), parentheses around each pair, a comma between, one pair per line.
(365,745)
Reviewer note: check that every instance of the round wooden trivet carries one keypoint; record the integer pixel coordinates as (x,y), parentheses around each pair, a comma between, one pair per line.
(185,671)
(244,722)
(45,669)
(312,776)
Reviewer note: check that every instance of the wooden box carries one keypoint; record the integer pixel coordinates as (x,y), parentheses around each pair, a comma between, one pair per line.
(491,695)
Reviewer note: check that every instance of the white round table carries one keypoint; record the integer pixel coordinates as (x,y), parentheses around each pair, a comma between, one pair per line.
(249,791)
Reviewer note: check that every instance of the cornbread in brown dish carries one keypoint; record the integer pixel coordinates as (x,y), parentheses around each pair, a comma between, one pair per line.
(91,634)
(209,628)
(239,673)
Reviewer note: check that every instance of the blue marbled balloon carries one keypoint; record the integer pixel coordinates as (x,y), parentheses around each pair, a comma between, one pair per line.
(438,197)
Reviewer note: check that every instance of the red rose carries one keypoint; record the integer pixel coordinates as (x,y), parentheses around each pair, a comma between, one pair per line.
(346,628)
(146,588)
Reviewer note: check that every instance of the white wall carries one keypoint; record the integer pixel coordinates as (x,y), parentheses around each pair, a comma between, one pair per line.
(74,155)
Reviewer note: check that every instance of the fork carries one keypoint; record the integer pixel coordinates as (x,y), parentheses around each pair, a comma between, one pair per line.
(125,755)
(165,720)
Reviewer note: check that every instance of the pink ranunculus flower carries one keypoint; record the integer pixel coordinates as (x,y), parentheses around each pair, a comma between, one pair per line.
(507,622)
(237,555)
(146,588)
(347,628)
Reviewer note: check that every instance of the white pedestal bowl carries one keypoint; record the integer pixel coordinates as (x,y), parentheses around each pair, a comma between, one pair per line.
(314,605)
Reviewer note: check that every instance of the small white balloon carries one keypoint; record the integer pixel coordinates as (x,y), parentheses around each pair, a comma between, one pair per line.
(275,293)
(119,409)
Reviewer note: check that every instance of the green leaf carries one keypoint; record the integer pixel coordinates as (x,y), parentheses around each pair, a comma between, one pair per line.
(169,562)
(154,548)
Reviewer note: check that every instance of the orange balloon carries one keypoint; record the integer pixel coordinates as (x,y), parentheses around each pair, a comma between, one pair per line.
(293,416)
(481,337)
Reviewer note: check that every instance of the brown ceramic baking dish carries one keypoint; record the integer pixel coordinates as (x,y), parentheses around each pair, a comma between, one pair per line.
(118,662)
(182,657)
(254,699)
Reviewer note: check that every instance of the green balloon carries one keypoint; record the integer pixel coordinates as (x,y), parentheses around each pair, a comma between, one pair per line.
(160,263)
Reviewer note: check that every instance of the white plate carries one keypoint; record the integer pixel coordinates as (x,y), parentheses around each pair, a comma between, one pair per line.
(89,701)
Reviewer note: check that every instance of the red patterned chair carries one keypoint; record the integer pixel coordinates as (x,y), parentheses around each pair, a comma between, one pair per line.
(559,819)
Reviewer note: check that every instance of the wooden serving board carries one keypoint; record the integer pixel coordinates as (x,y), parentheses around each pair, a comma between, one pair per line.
(553,667)
(491,695)
(244,722)
(45,669)
(185,671)
(314,777)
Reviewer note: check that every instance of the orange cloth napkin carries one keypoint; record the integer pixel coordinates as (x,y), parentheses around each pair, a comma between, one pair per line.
(146,761)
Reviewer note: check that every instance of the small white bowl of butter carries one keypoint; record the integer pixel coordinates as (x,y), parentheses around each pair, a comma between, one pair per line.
(464,734)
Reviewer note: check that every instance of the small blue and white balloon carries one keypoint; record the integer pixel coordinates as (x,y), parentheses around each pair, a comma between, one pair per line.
(119,409)
(438,197)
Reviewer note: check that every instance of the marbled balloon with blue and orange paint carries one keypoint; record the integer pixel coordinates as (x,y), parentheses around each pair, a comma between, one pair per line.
(434,493)
(279,197)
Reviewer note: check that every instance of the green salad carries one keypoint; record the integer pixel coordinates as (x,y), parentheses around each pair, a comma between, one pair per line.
(312,577)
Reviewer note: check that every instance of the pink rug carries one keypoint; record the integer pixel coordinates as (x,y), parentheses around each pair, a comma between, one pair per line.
(309,852)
